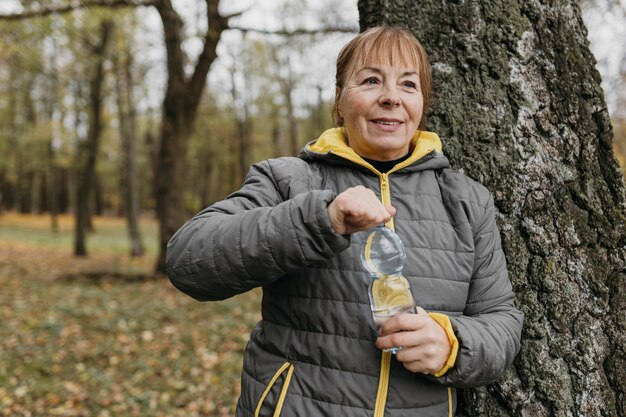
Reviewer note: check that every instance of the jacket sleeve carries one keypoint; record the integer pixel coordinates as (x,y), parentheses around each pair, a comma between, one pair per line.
(489,330)
(251,239)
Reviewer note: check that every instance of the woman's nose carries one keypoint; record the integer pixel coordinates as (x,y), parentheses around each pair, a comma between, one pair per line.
(389,96)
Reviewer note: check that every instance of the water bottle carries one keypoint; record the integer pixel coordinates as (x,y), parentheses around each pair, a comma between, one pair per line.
(389,292)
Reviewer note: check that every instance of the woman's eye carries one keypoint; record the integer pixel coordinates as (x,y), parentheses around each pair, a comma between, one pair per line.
(409,84)
(370,80)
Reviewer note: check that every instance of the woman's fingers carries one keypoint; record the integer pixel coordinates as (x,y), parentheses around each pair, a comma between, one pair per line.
(424,344)
(403,322)
(356,209)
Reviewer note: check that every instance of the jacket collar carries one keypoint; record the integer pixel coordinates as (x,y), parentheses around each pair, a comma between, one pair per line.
(425,146)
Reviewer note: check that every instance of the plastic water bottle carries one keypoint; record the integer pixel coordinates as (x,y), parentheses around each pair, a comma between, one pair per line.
(389,292)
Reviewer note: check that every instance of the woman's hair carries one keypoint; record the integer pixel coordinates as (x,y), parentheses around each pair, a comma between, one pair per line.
(387,46)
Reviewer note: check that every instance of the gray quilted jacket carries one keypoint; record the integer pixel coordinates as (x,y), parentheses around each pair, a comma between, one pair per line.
(313,353)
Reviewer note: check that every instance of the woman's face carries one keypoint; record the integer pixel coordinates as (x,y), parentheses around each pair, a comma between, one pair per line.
(381,106)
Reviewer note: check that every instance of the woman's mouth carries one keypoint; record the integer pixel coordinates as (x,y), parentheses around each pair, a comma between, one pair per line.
(387,124)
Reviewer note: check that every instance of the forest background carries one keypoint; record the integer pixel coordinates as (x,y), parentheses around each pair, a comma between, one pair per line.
(81,110)
(66,148)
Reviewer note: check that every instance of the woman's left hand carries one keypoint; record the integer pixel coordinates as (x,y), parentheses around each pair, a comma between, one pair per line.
(425,345)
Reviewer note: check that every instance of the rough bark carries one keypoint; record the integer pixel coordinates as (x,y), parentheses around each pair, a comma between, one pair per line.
(88,158)
(518,104)
(179,110)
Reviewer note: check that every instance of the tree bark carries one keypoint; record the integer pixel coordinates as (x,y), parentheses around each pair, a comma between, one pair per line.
(180,104)
(124,87)
(518,104)
(89,153)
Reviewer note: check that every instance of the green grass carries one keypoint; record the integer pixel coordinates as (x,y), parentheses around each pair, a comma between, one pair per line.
(86,337)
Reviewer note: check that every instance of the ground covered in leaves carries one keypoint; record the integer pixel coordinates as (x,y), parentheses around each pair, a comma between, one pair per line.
(101,336)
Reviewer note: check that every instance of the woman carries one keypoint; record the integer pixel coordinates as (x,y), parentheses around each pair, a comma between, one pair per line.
(296,228)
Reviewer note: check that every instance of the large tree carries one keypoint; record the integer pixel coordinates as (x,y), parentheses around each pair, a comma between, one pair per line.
(180,105)
(518,103)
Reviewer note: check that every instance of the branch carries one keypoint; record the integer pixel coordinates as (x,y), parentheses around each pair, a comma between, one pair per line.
(216,25)
(74,5)
(289,33)
(236,14)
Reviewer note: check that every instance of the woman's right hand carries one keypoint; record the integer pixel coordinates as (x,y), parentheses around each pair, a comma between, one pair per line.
(357,209)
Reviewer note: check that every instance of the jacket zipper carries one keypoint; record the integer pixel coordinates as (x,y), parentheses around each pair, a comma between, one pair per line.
(385,361)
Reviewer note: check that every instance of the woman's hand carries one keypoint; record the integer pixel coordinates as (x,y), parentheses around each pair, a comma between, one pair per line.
(357,209)
(425,345)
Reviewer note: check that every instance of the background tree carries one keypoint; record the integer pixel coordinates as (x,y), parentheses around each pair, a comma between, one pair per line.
(125,86)
(180,105)
(88,152)
(518,103)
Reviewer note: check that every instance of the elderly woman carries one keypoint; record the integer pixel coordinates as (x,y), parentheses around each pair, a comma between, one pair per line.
(297,228)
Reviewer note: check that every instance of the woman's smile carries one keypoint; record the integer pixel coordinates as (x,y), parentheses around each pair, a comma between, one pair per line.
(387,125)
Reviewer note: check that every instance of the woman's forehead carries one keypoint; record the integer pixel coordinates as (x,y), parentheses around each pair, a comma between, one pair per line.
(402,61)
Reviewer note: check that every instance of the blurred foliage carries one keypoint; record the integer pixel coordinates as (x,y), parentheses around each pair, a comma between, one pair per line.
(102,337)
(44,93)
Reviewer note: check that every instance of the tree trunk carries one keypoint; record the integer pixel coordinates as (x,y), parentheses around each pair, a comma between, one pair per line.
(27,175)
(124,86)
(242,123)
(51,183)
(518,104)
(181,101)
(89,153)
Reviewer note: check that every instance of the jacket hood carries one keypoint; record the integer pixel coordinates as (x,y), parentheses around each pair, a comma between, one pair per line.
(333,148)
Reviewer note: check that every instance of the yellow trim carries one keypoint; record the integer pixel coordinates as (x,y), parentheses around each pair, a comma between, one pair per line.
(335,141)
(385,361)
(383,385)
(444,322)
(385,196)
(450,402)
(283,390)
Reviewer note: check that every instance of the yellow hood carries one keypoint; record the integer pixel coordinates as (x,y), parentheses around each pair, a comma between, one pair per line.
(334,141)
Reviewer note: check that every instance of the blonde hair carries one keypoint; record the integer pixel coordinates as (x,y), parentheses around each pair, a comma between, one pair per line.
(382,45)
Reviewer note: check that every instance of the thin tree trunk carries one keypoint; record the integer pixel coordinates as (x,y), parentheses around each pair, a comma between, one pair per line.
(53,205)
(241,123)
(52,197)
(128,168)
(63,187)
(287,86)
(276,131)
(10,195)
(294,139)
(87,168)
(51,183)
(518,103)
(27,175)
